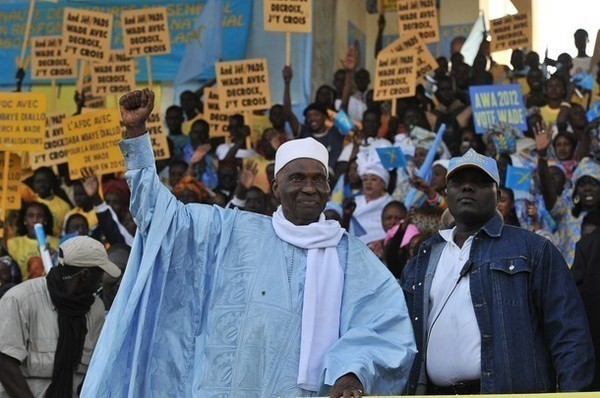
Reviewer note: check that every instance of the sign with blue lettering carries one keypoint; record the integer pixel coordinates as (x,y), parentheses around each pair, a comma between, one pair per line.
(499,103)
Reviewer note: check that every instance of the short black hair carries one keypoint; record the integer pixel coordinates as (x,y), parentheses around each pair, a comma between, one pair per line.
(315,107)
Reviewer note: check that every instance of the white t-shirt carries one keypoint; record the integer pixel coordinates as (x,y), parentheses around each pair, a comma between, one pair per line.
(454,344)
(356,108)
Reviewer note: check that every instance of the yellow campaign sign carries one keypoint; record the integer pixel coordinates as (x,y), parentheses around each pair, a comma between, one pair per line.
(55,143)
(92,142)
(511,31)
(395,75)
(22,121)
(86,34)
(288,15)
(13,199)
(146,31)
(115,77)
(48,61)
(243,85)
(426,63)
(386,5)
(418,16)
(155,128)
(218,121)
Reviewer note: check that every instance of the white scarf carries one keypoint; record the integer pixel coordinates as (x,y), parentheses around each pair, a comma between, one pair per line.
(323,286)
(368,215)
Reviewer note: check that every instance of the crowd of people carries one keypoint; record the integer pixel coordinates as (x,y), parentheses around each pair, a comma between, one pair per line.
(521,327)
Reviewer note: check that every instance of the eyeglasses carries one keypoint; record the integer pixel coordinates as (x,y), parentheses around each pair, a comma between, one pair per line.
(68,277)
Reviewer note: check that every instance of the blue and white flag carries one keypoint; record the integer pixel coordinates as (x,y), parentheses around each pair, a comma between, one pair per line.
(203,51)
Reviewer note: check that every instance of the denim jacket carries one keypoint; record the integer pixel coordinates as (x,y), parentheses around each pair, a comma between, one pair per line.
(534,332)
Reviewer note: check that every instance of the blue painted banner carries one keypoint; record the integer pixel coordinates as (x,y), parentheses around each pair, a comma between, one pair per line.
(499,103)
(48,17)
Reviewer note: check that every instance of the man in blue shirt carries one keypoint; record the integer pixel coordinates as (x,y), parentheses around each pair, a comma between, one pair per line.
(219,302)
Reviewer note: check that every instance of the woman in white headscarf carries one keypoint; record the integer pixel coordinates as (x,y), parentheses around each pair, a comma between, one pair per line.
(366,220)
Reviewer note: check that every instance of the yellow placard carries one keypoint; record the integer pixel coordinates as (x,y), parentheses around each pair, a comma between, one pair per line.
(217,120)
(146,31)
(386,5)
(13,199)
(243,85)
(426,63)
(511,31)
(91,101)
(47,60)
(288,15)
(420,17)
(22,121)
(92,142)
(114,78)
(155,127)
(55,143)
(86,34)
(395,75)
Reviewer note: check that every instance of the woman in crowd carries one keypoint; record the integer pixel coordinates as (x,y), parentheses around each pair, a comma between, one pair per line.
(24,246)
(568,211)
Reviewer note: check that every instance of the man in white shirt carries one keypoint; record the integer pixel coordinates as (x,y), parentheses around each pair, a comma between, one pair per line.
(494,307)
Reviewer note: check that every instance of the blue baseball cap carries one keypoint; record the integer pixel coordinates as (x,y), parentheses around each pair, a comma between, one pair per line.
(476,160)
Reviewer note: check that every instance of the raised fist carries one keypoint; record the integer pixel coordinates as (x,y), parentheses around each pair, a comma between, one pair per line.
(135,108)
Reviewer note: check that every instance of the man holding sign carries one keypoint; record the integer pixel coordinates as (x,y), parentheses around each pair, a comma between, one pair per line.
(223,302)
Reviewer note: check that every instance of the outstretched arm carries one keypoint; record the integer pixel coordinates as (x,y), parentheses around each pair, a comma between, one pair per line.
(349,63)
(543,139)
(287,74)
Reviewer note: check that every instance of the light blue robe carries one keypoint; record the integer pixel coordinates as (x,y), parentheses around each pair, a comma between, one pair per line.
(211,304)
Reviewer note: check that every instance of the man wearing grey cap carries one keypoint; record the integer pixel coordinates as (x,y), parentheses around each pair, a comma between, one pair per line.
(220,302)
(50,325)
(494,307)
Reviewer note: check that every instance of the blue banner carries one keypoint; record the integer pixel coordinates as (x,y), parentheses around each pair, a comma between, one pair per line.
(47,21)
(495,104)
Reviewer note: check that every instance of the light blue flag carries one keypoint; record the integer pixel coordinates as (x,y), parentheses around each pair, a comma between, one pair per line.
(518,178)
(425,169)
(584,80)
(391,157)
(203,51)
(593,112)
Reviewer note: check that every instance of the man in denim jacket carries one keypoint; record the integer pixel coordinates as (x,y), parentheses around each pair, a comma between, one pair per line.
(494,308)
